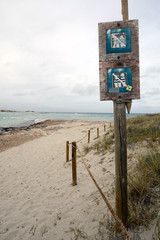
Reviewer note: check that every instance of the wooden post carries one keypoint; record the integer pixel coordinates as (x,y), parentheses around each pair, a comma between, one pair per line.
(88,136)
(74,165)
(125,9)
(120,160)
(110,124)
(125,17)
(67,151)
(104,128)
(97,132)
(121,148)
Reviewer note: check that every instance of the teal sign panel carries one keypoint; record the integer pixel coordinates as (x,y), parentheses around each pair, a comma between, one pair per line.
(119,80)
(118,40)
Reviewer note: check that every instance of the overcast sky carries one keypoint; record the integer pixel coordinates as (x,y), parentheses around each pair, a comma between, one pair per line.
(49,58)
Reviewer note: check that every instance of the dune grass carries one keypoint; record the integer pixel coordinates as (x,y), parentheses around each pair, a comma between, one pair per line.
(144,179)
(146,127)
(144,190)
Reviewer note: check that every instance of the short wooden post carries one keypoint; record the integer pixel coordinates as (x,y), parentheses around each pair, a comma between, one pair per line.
(110,124)
(74,165)
(104,128)
(97,132)
(67,151)
(88,136)
(120,160)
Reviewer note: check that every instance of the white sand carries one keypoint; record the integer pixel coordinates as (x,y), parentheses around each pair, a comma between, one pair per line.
(37,199)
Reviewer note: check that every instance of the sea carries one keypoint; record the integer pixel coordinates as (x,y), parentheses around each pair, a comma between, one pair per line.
(21,119)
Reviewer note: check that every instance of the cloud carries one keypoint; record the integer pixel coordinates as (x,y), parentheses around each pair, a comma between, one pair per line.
(49,52)
(85,90)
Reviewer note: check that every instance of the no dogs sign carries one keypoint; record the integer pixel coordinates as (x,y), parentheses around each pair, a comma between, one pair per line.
(119,60)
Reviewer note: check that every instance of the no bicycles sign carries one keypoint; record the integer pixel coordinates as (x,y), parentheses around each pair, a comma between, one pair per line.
(119,60)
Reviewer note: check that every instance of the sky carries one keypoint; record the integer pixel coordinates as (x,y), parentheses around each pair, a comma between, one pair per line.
(49,57)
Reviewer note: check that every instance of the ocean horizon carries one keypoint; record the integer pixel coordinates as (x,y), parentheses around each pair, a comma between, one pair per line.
(20,119)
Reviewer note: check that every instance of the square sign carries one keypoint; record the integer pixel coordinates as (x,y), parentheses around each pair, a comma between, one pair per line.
(119,60)
(118,40)
(119,80)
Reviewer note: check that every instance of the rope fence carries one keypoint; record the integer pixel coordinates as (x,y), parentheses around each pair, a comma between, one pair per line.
(75,148)
(74,176)
(119,222)
(89,139)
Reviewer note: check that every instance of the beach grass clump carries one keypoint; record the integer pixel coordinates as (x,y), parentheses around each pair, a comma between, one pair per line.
(107,141)
(145,127)
(144,190)
(104,143)
(86,149)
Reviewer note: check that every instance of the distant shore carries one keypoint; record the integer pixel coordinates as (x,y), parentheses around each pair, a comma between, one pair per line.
(12,111)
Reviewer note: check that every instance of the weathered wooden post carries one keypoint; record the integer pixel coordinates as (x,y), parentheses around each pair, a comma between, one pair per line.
(67,151)
(119,81)
(121,148)
(104,128)
(97,132)
(120,160)
(74,164)
(126,17)
(88,136)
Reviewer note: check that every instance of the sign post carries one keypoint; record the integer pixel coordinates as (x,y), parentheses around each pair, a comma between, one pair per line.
(119,81)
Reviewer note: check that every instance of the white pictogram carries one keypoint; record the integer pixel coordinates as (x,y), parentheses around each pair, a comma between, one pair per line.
(119,79)
(118,40)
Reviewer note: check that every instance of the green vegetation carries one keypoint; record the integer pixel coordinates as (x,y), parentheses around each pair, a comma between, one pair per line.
(86,149)
(144,179)
(141,128)
(103,144)
(144,190)
(145,127)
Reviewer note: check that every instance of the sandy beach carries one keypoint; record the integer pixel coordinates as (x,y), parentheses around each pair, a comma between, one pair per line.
(37,198)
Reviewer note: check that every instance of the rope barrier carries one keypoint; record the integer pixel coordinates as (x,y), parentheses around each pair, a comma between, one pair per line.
(82,138)
(91,130)
(119,222)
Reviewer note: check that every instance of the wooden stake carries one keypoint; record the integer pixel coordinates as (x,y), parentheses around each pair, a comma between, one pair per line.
(74,165)
(104,128)
(67,151)
(97,132)
(120,161)
(88,136)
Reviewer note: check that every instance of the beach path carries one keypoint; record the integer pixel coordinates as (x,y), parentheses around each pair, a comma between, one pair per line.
(37,199)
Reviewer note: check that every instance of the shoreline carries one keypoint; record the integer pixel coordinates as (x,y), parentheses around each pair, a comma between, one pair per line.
(15,136)
(15,119)
(12,111)
(39,124)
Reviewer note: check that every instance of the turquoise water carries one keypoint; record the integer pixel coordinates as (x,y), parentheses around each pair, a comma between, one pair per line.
(18,119)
